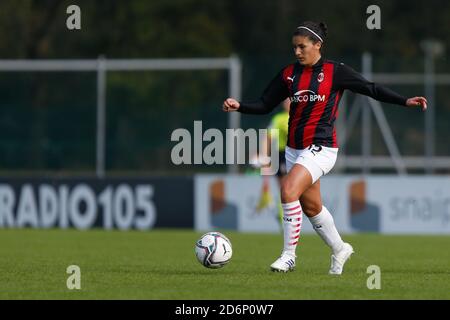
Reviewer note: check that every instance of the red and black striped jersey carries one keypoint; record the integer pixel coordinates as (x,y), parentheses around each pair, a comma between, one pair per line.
(315,93)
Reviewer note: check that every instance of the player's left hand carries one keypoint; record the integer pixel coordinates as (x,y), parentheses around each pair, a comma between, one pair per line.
(416,102)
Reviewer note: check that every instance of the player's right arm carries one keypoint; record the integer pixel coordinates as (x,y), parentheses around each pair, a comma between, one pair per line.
(275,92)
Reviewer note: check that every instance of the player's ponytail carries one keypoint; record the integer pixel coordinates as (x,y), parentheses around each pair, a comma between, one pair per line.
(323,27)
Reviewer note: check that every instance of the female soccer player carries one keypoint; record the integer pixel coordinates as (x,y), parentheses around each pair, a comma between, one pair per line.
(314,86)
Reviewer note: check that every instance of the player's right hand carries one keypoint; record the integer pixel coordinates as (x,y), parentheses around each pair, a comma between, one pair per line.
(231,104)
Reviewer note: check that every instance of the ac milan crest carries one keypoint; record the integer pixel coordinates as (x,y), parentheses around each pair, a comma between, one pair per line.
(320,77)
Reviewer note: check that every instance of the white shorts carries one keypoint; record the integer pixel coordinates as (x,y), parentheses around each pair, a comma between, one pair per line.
(318,160)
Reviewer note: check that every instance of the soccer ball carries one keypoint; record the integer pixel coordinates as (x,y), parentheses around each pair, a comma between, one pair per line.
(213,250)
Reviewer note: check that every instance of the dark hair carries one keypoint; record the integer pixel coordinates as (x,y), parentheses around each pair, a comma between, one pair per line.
(320,28)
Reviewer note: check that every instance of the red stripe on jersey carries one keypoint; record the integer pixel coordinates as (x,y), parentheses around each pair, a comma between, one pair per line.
(334,113)
(334,116)
(304,82)
(335,142)
(319,107)
(288,72)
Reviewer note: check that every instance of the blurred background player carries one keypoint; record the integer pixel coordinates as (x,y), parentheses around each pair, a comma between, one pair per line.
(315,86)
(280,123)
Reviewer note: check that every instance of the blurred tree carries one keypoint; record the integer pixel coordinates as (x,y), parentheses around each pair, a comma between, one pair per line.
(181,28)
(258,30)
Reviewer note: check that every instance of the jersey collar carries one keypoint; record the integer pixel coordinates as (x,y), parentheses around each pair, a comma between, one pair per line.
(319,63)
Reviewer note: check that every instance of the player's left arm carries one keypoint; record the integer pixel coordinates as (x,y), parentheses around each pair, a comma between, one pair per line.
(347,78)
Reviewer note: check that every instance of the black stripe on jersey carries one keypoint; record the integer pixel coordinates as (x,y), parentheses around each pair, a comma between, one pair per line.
(306,112)
(294,105)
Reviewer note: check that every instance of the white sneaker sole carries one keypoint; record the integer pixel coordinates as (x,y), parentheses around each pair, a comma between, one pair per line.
(273,269)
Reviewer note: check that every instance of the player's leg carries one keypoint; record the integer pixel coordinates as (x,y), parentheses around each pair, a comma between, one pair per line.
(323,224)
(293,185)
(320,217)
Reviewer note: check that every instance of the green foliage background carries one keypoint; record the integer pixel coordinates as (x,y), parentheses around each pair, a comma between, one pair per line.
(47,121)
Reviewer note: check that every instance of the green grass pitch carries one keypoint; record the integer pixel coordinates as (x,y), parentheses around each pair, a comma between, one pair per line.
(161,264)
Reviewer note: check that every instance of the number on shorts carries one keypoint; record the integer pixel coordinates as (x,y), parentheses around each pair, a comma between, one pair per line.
(314,149)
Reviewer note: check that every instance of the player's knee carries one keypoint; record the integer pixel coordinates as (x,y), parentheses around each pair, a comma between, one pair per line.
(289,192)
(312,208)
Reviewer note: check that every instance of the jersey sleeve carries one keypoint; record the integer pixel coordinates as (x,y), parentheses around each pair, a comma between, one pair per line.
(274,93)
(347,78)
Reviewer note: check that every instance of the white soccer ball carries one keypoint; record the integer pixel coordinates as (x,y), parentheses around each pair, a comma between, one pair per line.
(213,250)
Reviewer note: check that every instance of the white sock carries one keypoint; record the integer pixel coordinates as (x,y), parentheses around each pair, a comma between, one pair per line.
(292,224)
(323,223)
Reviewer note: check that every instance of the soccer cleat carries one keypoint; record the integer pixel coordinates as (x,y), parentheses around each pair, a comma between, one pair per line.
(338,260)
(285,263)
